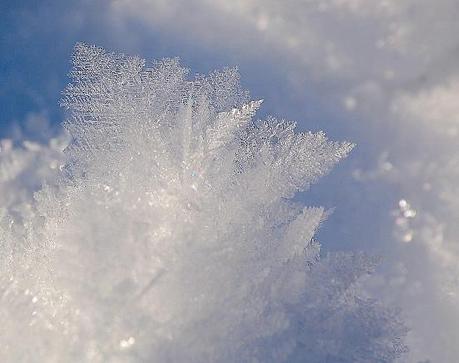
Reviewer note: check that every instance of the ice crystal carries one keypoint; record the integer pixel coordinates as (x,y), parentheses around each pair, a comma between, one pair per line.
(171,234)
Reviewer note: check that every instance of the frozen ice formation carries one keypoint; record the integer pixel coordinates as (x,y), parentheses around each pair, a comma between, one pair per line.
(170,234)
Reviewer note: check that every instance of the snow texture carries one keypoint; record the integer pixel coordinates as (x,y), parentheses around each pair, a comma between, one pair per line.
(166,231)
(387,70)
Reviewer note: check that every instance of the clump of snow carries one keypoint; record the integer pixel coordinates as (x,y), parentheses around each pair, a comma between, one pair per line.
(170,233)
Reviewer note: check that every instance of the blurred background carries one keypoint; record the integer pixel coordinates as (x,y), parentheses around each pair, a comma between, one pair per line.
(383,74)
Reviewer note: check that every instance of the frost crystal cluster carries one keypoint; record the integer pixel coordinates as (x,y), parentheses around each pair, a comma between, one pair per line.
(170,234)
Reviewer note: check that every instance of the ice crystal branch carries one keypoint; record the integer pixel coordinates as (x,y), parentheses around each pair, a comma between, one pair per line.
(171,235)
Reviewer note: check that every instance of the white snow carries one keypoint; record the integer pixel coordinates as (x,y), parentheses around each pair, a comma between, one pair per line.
(169,233)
